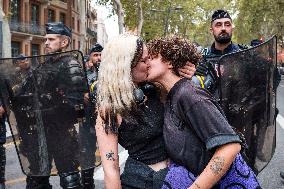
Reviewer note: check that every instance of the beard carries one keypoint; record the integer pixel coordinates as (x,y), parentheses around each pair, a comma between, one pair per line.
(223,38)
(49,50)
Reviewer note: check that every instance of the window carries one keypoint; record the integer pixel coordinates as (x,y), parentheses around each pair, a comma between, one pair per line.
(51,15)
(62,17)
(16,48)
(79,45)
(35,14)
(73,23)
(35,49)
(15,10)
(78,25)
(74,41)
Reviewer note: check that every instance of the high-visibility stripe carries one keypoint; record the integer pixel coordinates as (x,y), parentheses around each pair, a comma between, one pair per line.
(201,79)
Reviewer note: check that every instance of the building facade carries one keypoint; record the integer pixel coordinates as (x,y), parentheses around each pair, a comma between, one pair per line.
(27,19)
(91,26)
(102,36)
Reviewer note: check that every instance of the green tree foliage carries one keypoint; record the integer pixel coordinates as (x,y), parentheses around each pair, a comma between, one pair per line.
(259,18)
(252,19)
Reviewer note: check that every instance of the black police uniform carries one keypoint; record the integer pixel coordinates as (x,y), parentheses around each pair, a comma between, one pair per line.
(60,84)
(207,73)
(60,88)
(2,150)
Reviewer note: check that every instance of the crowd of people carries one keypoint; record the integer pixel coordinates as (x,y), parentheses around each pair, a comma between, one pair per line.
(155,99)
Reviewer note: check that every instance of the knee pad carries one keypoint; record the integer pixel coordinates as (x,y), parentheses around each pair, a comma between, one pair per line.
(38,182)
(70,180)
(87,178)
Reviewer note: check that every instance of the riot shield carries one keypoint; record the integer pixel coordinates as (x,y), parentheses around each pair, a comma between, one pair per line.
(248,98)
(44,100)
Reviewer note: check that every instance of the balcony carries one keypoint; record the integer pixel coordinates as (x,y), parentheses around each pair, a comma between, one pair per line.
(91,32)
(88,14)
(34,29)
(44,1)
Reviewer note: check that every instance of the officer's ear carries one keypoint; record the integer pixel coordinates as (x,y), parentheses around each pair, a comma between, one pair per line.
(210,29)
(64,42)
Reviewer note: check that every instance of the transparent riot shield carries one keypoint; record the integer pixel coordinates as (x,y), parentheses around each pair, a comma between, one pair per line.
(44,100)
(248,98)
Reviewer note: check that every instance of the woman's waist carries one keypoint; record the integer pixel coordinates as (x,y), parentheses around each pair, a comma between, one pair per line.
(160,165)
(136,164)
(149,158)
(150,154)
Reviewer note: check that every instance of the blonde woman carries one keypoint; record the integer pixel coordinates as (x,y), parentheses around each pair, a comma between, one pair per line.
(130,113)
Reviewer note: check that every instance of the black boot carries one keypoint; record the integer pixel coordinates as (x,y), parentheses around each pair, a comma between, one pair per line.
(87,178)
(68,181)
(2,165)
(38,182)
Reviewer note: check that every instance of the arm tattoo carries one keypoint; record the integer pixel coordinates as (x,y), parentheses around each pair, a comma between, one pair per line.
(110,156)
(197,186)
(217,165)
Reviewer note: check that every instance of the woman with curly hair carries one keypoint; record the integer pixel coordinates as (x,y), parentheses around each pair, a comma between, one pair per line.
(130,113)
(196,132)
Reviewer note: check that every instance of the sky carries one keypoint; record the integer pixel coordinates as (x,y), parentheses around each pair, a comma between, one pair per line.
(110,22)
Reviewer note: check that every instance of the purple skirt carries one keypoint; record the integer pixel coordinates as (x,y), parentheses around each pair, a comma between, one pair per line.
(239,176)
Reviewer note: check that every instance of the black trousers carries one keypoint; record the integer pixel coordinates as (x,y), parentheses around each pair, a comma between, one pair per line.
(62,145)
(138,175)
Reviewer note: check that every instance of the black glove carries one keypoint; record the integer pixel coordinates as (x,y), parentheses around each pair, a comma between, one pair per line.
(207,76)
(202,68)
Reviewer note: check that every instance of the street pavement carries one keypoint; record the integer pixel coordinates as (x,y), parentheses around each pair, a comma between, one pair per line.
(269,178)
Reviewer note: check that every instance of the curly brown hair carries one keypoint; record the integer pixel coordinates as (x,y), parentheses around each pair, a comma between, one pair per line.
(177,50)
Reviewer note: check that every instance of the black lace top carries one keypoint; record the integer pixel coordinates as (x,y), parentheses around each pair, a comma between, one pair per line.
(141,133)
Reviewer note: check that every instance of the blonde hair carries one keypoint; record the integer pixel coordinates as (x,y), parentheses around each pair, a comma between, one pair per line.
(115,85)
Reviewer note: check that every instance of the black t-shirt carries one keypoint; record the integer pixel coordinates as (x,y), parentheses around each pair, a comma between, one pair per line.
(194,126)
(141,133)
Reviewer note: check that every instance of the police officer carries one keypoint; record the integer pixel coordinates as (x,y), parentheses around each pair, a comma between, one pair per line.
(58,84)
(222,30)
(22,98)
(16,86)
(61,88)
(87,132)
(93,64)
(207,74)
(2,148)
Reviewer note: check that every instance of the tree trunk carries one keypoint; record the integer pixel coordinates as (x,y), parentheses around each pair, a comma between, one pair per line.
(5,34)
(120,14)
(140,17)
